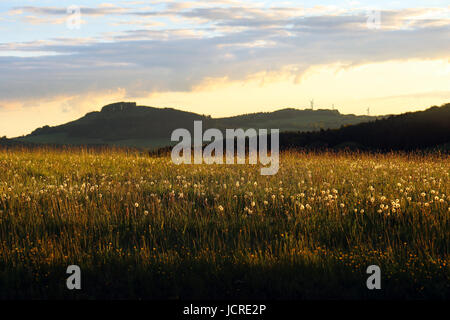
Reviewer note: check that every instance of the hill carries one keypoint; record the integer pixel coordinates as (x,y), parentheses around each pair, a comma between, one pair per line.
(126,124)
(409,131)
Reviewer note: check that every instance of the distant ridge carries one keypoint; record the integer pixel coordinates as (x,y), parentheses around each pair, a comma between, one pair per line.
(127,124)
(422,130)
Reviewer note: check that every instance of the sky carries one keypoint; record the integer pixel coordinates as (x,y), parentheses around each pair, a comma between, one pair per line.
(62,59)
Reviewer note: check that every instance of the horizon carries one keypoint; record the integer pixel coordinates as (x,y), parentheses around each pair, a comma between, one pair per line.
(318,108)
(223,58)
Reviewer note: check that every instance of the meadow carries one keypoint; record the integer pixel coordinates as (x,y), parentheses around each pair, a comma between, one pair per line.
(141,227)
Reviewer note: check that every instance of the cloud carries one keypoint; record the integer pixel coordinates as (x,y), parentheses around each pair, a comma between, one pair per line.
(62,11)
(232,13)
(33,20)
(232,42)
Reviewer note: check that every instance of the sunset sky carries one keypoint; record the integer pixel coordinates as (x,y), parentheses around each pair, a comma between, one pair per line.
(220,57)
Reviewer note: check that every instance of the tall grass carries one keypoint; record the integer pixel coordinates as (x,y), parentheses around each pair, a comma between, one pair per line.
(142,227)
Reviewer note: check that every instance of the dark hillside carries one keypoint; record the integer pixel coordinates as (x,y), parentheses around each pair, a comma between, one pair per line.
(409,131)
(126,124)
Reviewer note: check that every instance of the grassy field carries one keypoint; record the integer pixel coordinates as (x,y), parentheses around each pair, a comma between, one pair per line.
(142,227)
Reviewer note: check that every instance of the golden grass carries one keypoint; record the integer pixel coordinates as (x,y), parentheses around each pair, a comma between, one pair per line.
(142,227)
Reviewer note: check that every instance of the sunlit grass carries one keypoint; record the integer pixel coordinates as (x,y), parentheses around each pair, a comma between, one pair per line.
(142,227)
